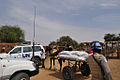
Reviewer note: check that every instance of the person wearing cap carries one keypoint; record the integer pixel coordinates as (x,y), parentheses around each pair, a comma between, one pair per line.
(98,64)
(53,54)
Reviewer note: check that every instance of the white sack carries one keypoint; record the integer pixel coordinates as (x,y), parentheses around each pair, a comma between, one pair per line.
(74,55)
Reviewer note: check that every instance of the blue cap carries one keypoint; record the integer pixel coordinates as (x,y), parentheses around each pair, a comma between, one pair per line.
(96,46)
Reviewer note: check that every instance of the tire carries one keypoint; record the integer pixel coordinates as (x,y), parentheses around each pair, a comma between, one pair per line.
(21,76)
(67,73)
(36,60)
(85,70)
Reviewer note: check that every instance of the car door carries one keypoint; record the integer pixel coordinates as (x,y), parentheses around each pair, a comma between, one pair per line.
(16,52)
(27,52)
(1,69)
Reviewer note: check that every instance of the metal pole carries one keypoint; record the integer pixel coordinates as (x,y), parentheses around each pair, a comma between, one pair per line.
(34,30)
(34,23)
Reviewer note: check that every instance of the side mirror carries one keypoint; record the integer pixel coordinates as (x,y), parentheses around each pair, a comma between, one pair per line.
(42,50)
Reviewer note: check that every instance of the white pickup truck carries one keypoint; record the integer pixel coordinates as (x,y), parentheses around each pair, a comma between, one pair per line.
(26,52)
(16,69)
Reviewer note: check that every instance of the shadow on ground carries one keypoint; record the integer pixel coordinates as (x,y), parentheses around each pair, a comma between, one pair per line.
(57,75)
(77,76)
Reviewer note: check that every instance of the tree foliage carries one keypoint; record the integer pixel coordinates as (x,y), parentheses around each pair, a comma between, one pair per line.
(81,45)
(112,37)
(65,41)
(53,43)
(11,34)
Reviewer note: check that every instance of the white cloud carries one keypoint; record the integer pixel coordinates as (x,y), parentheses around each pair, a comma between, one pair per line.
(47,30)
(75,14)
(64,6)
(108,5)
(59,6)
(108,19)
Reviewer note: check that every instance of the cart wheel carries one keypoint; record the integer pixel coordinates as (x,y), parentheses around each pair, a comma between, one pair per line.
(67,73)
(85,70)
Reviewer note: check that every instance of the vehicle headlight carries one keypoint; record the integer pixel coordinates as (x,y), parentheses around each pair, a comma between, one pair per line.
(34,65)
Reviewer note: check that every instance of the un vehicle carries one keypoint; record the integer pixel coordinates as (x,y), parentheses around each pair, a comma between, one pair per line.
(26,52)
(17,69)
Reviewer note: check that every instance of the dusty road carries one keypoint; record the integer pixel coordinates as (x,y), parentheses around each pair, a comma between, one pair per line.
(46,74)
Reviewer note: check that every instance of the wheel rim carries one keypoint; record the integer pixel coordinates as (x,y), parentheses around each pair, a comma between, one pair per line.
(66,75)
(85,70)
(23,79)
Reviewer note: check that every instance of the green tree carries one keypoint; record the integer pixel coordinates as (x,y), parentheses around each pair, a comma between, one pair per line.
(53,43)
(11,34)
(65,41)
(75,44)
(118,37)
(81,45)
(110,37)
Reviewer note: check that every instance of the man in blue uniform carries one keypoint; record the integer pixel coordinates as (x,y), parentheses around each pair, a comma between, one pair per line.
(98,64)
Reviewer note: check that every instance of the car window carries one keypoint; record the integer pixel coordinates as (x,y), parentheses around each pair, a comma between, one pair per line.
(37,48)
(27,49)
(16,50)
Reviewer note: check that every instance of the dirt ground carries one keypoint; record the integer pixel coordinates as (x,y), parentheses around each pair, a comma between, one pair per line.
(46,74)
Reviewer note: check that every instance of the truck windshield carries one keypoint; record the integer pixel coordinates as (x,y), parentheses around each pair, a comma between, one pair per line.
(37,48)
(16,50)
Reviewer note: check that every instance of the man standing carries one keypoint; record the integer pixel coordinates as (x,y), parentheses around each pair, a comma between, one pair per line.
(98,64)
(53,54)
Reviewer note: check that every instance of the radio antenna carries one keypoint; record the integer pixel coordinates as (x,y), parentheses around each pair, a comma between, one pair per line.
(34,24)
(34,30)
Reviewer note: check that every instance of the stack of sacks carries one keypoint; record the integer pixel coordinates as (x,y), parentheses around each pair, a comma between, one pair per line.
(74,55)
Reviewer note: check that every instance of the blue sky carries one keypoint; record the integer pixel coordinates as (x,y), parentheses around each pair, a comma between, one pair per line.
(83,20)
